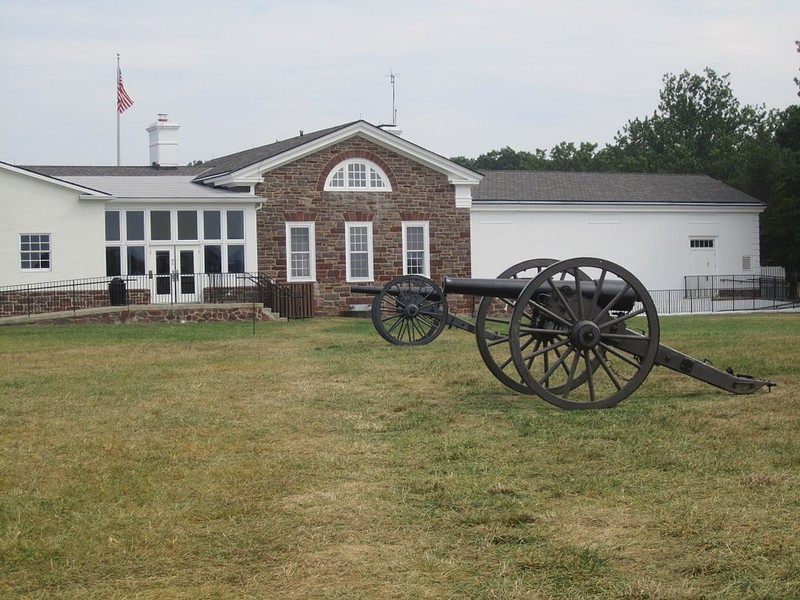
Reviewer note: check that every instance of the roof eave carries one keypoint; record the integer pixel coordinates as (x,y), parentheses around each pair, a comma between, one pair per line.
(617,204)
(84,193)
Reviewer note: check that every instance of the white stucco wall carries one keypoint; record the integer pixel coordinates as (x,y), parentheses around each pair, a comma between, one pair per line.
(31,204)
(650,242)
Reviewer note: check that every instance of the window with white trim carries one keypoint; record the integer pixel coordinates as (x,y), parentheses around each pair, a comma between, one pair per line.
(416,253)
(34,250)
(357,174)
(220,233)
(359,251)
(701,243)
(300,255)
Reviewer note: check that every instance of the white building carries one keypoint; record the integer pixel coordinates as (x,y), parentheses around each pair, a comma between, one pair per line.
(50,229)
(83,222)
(660,227)
(159,220)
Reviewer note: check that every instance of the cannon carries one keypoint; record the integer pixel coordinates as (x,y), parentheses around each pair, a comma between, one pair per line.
(579,333)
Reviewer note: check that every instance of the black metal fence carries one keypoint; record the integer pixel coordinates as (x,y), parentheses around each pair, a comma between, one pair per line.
(296,300)
(291,301)
(721,293)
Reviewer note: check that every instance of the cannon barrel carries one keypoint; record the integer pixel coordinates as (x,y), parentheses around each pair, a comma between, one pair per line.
(428,292)
(494,288)
(371,290)
(510,289)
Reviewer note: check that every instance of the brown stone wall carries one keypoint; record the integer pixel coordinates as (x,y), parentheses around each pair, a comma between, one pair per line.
(150,314)
(295,193)
(24,302)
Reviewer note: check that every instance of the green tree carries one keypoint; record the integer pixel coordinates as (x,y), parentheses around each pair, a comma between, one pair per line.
(699,127)
(780,223)
(568,157)
(509,159)
(565,156)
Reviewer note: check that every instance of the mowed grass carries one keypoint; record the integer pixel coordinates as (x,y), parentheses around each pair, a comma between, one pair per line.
(313,460)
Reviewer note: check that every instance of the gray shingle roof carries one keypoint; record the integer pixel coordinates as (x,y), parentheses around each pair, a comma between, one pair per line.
(245,158)
(567,187)
(65,172)
(215,166)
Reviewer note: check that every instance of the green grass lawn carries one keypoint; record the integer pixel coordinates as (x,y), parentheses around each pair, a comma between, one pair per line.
(313,460)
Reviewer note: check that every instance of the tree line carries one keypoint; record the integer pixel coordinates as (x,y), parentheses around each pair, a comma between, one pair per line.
(699,127)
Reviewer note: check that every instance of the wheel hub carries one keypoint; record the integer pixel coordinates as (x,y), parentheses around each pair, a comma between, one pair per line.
(585,335)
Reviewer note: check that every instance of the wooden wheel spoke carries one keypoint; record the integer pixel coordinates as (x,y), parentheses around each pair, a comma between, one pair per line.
(564,302)
(601,360)
(620,355)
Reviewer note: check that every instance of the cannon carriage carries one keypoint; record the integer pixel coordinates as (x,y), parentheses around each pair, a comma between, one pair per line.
(579,333)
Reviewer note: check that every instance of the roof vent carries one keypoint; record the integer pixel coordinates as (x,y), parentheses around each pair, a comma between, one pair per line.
(163,142)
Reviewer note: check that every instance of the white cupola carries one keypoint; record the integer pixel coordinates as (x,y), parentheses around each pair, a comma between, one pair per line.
(163,142)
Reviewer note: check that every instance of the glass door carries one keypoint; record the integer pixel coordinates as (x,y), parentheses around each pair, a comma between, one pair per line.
(187,279)
(175,275)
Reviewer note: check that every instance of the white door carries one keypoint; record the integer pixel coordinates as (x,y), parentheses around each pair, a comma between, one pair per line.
(175,276)
(702,265)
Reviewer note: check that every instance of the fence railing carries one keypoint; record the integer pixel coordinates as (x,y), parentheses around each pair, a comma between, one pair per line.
(736,286)
(719,293)
(671,302)
(296,300)
(291,301)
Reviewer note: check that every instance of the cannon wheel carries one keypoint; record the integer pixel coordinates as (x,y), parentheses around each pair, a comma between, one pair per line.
(583,328)
(409,311)
(491,330)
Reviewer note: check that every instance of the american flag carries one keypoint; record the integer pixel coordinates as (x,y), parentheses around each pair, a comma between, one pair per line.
(124,101)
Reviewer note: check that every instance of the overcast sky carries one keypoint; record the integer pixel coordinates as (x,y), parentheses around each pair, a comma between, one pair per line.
(472,75)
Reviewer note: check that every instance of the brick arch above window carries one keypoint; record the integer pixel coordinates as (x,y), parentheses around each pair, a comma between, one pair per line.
(372,174)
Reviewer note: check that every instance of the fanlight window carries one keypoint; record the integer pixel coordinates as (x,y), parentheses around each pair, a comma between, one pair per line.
(358,175)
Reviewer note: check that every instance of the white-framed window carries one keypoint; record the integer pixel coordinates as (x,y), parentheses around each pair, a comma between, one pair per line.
(696,243)
(416,249)
(359,251)
(300,254)
(357,174)
(221,234)
(34,251)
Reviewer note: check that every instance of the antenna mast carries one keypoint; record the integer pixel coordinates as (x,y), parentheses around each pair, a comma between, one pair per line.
(392,82)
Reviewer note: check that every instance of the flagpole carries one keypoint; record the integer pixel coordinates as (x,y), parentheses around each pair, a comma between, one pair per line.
(118,113)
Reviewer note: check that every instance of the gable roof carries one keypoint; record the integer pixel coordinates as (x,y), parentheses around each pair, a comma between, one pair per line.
(614,188)
(248,167)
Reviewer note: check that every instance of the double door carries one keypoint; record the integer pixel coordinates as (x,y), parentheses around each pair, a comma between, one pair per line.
(175,275)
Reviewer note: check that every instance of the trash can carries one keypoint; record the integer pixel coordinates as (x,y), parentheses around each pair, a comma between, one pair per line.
(117,292)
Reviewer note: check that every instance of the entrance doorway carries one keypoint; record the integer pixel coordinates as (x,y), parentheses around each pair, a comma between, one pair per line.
(702,266)
(175,277)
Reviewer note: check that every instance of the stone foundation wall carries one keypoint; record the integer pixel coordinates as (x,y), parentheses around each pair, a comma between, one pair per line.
(30,303)
(148,314)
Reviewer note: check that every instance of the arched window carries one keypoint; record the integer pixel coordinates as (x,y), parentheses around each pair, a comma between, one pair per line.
(357,174)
